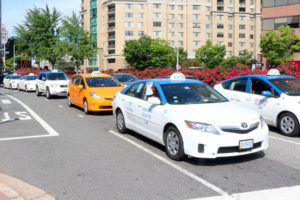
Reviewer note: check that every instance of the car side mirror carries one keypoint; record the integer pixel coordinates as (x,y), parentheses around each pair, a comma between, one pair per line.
(122,85)
(80,86)
(43,79)
(154,100)
(267,93)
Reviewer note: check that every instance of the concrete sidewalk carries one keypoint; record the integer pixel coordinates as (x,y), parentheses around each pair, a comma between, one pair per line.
(14,189)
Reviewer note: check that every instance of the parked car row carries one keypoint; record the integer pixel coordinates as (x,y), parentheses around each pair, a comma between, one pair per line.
(188,117)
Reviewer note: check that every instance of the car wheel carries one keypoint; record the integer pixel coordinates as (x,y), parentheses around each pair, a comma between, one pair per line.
(174,144)
(86,107)
(288,125)
(48,95)
(120,122)
(10,86)
(37,92)
(19,88)
(69,101)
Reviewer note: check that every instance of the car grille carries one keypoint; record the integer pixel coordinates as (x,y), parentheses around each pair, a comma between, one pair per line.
(105,107)
(110,99)
(236,149)
(252,127)
(63,86)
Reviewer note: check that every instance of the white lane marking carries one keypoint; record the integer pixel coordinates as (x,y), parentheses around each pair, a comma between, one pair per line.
(6,117)
(26,137)
(6,101)
(290,193)
(284,140)
(46,100)
(44,124)
(60,106)
(81,116)
(177,167)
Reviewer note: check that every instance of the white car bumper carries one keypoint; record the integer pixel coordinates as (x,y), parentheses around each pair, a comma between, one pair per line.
(14,85)
(31,87)
(209,145)
(57,91)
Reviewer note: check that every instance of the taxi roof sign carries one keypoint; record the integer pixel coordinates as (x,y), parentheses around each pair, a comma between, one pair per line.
(177,76)
(273,72)
(54,70)
(31,74)
(96,73)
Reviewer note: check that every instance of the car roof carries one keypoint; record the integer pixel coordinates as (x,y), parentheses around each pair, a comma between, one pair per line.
(94,76)
(30,75)
(51,72)
(122,74)
(261,76)
(167,81)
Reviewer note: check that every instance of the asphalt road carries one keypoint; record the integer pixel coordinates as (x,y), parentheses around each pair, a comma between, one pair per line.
(76,156)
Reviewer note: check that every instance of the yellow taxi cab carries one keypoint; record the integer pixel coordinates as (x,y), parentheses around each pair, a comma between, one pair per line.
(93,92)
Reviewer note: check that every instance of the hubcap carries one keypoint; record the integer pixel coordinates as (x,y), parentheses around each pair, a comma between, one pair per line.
(85,106)
(120,121)
(287,124)
(69,100)
(172,143)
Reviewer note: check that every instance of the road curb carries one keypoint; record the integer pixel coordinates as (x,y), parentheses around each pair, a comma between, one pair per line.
(12,188)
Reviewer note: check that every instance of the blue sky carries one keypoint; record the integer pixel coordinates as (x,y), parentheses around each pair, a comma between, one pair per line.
(13,11)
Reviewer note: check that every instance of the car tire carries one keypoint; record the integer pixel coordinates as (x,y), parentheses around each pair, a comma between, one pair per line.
(37,92)
(10,86)
(48,94)
(19,88)
(174,144)
(288,124)
(120,122)
(69,101)
(86,107)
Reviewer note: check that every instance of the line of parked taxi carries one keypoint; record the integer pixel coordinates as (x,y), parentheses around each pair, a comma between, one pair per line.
(188,117)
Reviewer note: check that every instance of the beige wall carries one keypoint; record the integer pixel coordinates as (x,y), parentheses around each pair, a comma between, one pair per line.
(188,38)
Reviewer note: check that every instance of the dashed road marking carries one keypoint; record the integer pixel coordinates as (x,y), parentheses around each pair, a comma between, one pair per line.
(171,164)
(60,106)
(6,101)
(284,140)
(81,116)
(43,123)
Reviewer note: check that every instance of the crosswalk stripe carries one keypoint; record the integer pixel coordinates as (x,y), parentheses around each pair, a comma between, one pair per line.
(6,101)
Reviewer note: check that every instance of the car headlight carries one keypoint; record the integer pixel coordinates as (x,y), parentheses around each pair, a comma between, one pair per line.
(53,85)
(202,127)
(262,122)
(92,94)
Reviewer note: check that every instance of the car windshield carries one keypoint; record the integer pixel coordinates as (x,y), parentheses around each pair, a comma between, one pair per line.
(16,77)
(289,86)
(30,78)
(57,76)
(102,82)
(126,77)
(187,93)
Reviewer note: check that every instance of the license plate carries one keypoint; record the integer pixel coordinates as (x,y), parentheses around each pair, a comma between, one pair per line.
(246,144)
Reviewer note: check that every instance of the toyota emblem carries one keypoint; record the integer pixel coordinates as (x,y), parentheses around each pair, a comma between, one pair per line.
(244,125)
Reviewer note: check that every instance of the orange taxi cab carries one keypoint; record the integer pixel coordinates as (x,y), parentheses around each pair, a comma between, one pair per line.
(93,92)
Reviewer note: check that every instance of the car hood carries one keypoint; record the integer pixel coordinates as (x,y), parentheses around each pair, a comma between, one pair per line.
(107,92)
(220,114)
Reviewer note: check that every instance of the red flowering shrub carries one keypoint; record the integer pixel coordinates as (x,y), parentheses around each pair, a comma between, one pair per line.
(209,76)
(26,71)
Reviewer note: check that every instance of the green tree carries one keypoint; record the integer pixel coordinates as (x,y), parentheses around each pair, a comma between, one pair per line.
(38,36)
(279,47)
(246,58)
(76,42)
(210,55)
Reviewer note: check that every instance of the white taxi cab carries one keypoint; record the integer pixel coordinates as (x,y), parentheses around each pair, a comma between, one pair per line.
(27,82)
(11,81)
(189,118)
(276,97)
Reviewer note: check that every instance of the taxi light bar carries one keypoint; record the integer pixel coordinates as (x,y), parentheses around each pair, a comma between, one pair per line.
(54,70)
(31,74)
(177,77)
(273,72)
(96,73)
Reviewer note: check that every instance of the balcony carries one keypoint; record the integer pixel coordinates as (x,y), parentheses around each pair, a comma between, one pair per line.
(111,29)
(112,46)
(111,37)
(111,10)
(111,20)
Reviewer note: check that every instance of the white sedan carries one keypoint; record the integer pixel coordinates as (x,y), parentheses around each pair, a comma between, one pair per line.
(190,118)
(11,81)
(276,97)
(27,83)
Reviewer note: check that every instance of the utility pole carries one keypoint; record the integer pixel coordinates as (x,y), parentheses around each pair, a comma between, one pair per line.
(14,57)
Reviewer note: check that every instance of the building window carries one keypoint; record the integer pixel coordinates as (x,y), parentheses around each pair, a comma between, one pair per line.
(252,45)
(230,18)
(180,34)
(171,7)
(196,7)
(242,44)
(171,16)
(207,26)
(140,15)
(156,24)
(180,16)
(230,26)
(251,36)
(196,34)
(220,43)
(180,7)
(220,35)
(229,35)
(268,24)
(172,43)
(156,15)
(220,26)
(180,25)
(251,2)
(141,6)
(196,25)
(111,60)
(208,8)
(196,43)
(293,21)
(229,53)
(128,15)
(251,27)
(157,5)
(242,18)
(229,9)
(171,25)
(180,43)
(129,24)
(140,33)
(252,19)
(242,35)
(208,17)
(242,6)
(196,16)
(156,33)
(171,34)
(128,5)
(208,35)
(242,26)
(220,17)
(229,44)
(140,24)
(251,10)
(128,33)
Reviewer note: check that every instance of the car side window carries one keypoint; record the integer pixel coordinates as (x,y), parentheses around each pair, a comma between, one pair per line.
(236,85)
(136,90)
(73,80)
(258,86)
